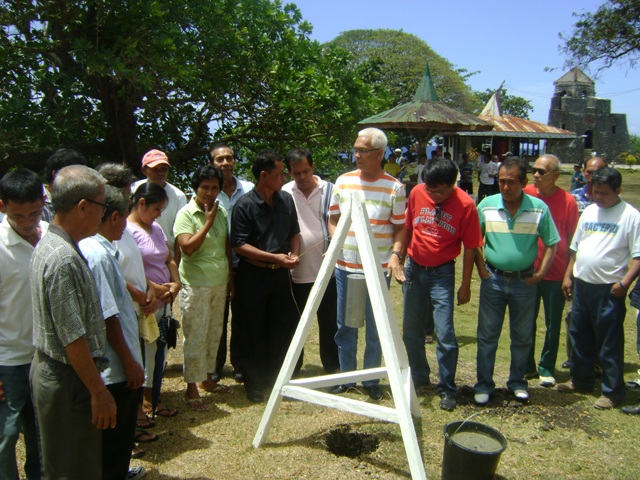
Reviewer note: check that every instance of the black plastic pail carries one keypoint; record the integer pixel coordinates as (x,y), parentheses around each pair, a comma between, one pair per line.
(471,451)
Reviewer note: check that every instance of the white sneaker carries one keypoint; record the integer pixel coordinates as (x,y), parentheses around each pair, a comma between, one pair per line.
(481,398)
(521,394)
(547,381)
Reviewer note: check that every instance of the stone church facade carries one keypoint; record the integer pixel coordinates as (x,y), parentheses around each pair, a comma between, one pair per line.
(575,107)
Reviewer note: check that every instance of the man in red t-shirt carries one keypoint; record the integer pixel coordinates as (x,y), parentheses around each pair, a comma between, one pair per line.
(440,218)
(564,211)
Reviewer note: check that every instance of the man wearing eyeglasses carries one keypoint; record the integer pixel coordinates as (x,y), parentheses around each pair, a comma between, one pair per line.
(511,223)
(564,211)
(583,194)
(440,219)
(385,201)
(71,400)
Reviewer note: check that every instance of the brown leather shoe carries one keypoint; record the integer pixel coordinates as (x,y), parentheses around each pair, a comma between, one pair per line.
(569,387)
(604,403)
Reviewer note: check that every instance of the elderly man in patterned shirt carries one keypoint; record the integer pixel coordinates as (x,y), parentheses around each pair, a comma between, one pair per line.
(71,400)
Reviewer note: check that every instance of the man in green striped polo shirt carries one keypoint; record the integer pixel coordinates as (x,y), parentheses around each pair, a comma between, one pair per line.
(512,222)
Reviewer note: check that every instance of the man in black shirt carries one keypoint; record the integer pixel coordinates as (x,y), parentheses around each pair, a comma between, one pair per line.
(266,236)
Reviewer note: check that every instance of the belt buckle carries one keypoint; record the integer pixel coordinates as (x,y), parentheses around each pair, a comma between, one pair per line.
(271,266)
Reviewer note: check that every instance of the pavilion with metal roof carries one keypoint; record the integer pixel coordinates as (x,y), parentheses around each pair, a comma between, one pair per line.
(519,136)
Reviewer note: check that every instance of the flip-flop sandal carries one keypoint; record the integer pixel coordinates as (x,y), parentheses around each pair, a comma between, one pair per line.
(196,404)
(144,421)
(166,412)
(142,436)
(137,451)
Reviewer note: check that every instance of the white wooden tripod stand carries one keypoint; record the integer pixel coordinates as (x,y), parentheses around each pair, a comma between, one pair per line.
(396,367)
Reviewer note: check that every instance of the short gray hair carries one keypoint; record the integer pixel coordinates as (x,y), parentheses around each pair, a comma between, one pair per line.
(377,137)
(72,184)
(116,174)
(116,201)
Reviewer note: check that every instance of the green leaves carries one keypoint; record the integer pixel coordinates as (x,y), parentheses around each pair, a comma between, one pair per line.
(609,35)
(114,79)
(511,104)
(396,60)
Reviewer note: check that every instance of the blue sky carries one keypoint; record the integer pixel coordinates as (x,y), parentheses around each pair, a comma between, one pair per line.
(510,40)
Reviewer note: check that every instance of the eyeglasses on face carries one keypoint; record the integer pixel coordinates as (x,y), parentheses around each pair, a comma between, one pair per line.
(103,205)
(364,151)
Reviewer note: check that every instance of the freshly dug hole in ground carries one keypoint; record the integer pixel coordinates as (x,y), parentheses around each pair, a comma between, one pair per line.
(342,442)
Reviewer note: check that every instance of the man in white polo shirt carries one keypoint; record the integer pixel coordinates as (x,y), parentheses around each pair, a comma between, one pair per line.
(312,197)
(22,200)
(155,166)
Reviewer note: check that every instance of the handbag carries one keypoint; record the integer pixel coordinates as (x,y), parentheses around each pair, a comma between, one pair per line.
(168,327)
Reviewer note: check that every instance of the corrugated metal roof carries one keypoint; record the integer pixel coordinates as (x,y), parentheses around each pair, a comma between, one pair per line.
(514,127)
(493,133)
(508,123)
(509,126)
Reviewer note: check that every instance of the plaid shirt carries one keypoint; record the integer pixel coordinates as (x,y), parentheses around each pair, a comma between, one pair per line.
(64,299)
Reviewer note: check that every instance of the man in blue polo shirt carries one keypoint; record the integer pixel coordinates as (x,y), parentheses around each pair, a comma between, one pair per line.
(511,223)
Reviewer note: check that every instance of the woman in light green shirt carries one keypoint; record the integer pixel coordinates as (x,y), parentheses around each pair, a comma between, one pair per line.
(205,271)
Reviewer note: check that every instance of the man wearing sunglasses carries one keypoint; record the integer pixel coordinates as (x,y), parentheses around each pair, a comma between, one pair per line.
(440,219)
(564,211)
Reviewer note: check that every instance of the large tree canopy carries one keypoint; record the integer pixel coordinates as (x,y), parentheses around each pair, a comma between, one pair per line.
(114,79)
(511,104)
(610,35)
(400,59)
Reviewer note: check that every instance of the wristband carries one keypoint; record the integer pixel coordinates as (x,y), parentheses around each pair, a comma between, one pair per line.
(622,286)
(398,254)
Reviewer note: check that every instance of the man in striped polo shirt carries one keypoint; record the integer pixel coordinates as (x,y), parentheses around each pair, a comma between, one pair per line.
(384,198)
(511,223)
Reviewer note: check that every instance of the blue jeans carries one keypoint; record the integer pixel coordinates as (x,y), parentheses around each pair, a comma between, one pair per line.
(16,415)
(597,320)
(428,298)
(347,337)
(496,293)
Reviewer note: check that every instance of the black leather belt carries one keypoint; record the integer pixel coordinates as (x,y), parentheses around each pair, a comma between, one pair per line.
(526,273)
(429,269)
(270,266)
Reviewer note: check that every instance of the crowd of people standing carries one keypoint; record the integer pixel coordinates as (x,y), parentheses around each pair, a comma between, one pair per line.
(114,253)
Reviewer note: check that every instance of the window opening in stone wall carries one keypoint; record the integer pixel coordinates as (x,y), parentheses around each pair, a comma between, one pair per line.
(588,139)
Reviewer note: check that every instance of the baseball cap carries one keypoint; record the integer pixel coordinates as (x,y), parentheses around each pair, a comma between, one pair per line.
(397,150)
(153,158)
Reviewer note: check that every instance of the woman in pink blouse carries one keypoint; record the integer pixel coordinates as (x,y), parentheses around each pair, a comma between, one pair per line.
(160,268)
